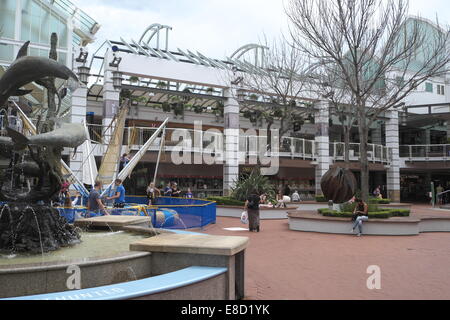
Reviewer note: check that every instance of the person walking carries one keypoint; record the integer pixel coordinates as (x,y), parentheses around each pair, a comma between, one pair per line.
(119,196)
(252,208)
(360,214)
(95,205)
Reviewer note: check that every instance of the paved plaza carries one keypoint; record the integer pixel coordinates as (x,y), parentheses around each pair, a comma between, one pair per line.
(282,264)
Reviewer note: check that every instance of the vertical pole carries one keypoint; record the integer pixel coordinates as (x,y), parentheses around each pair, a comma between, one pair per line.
(161,144)
(392,142)
(322,141)
(231,130)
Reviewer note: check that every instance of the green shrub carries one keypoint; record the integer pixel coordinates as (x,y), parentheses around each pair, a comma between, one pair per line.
(381,214)
(226,201)
(249,182)
(321,199)
(379,201)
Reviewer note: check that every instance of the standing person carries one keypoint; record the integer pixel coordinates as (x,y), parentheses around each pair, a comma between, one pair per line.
(168,190)
(64,190)
(95,204)
(119,196)
(360,214)
(189,194)
(175,191)
(124,159)
(377,192)
(152,193)
(252,208)
(287,190)
(439,189)
(295,196)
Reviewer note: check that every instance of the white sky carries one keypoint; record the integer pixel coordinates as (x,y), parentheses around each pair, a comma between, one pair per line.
(215,28)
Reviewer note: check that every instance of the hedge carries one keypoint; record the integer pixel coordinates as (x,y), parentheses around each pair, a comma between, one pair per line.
(321,199)
(382,214)
(371,200)
(379,201)
(226,201)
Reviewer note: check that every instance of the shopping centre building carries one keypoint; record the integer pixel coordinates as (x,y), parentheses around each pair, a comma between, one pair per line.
(409,147)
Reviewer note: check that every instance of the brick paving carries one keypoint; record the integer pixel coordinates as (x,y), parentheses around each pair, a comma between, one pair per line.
(290,265)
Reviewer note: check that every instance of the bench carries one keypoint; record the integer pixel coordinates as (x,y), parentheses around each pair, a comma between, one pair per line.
(134,289)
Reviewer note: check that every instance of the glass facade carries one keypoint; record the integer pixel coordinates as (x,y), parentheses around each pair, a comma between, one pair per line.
(6,52)
(38,23)
(7,18)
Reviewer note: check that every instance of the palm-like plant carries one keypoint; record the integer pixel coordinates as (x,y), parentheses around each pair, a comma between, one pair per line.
(249,182)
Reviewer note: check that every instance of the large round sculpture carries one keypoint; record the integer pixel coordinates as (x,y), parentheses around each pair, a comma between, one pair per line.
(338,184)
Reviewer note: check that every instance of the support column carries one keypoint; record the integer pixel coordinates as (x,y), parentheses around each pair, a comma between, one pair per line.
(231,131)
(322,142)
(78,115)
(448,132)
(393,143)
(111,97)
(377,136)
(427,136)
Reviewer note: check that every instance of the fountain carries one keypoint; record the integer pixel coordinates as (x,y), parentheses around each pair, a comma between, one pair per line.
(41,253)
(28,222)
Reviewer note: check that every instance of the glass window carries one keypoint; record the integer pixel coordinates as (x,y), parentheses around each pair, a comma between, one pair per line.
(428,87)
(38,23)
(6,52)
(7,18)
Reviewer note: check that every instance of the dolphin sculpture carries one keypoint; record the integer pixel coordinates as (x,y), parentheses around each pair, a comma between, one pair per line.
(26,69)
(70,135)
(27,168)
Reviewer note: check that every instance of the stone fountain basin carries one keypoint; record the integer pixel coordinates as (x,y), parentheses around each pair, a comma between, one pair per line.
(145,257)
(29,275)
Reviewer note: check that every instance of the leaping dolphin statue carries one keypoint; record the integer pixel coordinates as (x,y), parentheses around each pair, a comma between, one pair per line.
(69,135)
(26,69)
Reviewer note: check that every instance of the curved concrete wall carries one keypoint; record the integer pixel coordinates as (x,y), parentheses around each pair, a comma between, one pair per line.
(52,277)
(389,227)
(344,227)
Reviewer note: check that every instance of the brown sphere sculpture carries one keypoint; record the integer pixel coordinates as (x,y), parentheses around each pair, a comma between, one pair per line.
(338,184)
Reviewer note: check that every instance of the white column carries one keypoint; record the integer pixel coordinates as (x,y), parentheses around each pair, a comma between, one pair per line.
(393,142)
(448,132)
(322,141)
(17,25)
(376,135)
(78,115)
(111,97)
(231,131)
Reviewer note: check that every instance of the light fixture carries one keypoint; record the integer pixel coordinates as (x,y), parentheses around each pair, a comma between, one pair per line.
(117,79)
(82,57)
(84,73)
(240,95)
(116,61)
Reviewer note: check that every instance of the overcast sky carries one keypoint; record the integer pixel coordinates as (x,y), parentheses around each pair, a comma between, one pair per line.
(215,28)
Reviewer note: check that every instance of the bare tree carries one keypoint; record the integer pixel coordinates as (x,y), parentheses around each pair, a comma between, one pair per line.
(379,53)
(327,83)
(274,90)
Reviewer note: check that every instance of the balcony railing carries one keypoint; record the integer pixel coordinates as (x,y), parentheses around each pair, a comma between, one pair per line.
(249,145)
(375,153)
(432,152)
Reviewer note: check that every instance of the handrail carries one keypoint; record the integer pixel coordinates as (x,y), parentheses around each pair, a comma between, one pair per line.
(441,193)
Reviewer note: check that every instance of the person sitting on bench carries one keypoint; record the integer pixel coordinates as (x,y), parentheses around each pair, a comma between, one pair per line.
(360,214)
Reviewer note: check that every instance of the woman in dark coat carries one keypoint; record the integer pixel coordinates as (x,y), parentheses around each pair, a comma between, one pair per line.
(252,208)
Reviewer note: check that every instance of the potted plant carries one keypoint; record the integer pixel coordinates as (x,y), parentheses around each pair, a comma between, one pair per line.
(134,79)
